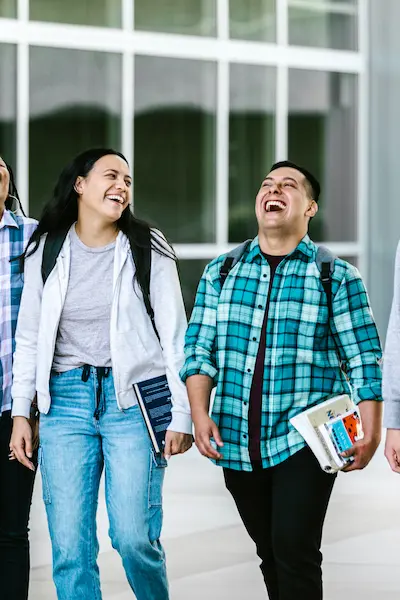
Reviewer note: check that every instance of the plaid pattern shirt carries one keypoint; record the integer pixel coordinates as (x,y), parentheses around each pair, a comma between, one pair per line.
(302,366)
(15,232)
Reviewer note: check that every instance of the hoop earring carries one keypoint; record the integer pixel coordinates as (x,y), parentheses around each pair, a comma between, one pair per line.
(18,207)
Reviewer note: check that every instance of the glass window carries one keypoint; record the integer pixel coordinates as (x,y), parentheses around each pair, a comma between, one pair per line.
(8,9)
(98,13)
(324,23)
(190,272)
(192,17)
(75,104)
(251,143)
(323,138)
(252,20)
(353,260)
(174,171)
(8,103)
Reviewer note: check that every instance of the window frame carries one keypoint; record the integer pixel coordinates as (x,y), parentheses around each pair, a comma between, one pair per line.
(223,50)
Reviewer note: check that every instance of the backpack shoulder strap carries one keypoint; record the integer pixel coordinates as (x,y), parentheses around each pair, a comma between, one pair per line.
(326,265)
(52,247)
(146,259)
(231,260)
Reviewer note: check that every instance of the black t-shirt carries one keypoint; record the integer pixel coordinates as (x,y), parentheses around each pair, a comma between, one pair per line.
(255,404)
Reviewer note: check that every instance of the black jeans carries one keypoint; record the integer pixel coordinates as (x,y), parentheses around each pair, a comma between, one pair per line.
(16,488)
(283,509)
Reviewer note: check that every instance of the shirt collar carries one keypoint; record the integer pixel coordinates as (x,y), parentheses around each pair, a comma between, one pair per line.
(306,247)
(8,220)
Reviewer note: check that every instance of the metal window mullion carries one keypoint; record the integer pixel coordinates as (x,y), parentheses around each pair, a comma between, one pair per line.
(128,14)
(128,100)
(22,112)
(282,22)
(222,129)
(223,19)
(282,112)
(208,251)
(128,109)
(282,91)
(23,10)
(341,8)
(178,46)
(362,143)
(222,154)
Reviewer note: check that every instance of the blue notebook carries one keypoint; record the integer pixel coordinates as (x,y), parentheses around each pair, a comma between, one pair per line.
(154,399)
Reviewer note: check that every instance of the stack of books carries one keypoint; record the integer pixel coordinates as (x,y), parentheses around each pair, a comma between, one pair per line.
(330,428)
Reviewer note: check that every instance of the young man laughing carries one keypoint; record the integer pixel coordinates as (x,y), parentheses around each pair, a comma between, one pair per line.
(265,339)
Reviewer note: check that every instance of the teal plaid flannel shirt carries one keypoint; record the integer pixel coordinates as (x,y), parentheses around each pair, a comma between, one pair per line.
(302,366)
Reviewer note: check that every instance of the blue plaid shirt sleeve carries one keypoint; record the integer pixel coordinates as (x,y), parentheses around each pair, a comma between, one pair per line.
(357,337)
(201,333)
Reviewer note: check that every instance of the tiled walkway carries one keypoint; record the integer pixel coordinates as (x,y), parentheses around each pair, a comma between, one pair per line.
(210,556)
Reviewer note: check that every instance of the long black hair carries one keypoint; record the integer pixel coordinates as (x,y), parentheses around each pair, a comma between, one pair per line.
(61,211)
(13,201)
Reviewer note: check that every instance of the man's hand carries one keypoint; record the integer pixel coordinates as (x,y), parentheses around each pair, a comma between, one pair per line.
(177,443)
(205,429)
(21,442)
(392,449)
(362,451)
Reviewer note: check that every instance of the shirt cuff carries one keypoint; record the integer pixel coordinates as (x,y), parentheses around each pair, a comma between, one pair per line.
(391,415)
(198,368)
(181,422)
(21,407)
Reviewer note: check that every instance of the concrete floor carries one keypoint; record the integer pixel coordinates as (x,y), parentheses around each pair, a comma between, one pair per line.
(210,556)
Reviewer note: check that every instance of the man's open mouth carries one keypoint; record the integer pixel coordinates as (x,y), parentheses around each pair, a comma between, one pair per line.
(274,206)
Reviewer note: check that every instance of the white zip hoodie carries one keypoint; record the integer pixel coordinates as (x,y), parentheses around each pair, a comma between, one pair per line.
(136,353)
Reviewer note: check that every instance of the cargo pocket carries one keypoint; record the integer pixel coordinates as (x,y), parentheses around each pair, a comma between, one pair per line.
(45,482)
(156,479)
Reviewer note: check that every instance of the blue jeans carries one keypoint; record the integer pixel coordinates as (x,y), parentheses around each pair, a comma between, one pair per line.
(83,432)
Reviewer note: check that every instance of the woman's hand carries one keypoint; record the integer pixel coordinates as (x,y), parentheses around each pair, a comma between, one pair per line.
(21,442)
(177,443)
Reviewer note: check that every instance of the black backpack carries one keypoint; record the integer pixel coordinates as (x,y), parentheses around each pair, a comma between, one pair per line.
(325,262)
(52,247)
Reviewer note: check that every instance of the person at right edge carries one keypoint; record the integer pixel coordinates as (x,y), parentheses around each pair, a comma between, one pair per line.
(391,376)
(266,342)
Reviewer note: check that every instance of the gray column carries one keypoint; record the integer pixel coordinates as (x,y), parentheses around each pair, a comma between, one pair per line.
(384,156)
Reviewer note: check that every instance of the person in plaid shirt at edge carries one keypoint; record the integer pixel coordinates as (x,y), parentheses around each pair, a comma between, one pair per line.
(16,482)
(266,343)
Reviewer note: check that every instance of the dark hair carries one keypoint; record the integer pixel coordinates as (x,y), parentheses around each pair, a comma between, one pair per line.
(13,201)
(61,211)
(313,187)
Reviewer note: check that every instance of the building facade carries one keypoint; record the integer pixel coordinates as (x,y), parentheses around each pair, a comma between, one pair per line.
(202,96)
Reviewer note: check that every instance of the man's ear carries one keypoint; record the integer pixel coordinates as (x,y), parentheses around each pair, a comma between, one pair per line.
(78,185)
(312,210)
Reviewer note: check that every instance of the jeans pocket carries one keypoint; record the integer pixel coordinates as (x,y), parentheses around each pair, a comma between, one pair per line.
(45,481)
(156,479)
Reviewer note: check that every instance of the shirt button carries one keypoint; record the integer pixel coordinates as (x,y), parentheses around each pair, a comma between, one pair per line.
(244,436)
(260,306)
(264,275)
(249,370)
(245,403)
(254,339)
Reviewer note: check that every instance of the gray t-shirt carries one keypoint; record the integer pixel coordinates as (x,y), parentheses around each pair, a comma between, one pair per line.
(84,330)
